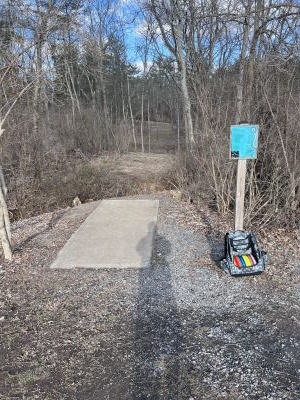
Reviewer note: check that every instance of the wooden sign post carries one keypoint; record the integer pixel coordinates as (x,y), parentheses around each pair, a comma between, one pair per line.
(240,195)
(243,146)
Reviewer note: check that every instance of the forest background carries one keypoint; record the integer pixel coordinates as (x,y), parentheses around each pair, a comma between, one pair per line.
(81,79)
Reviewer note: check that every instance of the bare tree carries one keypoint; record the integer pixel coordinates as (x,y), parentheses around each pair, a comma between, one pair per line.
(170,19)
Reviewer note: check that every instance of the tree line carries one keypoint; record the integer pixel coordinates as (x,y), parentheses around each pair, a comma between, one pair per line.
(68,86)
(238,61)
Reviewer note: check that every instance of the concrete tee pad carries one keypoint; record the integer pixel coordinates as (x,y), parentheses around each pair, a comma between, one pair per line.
(117,234)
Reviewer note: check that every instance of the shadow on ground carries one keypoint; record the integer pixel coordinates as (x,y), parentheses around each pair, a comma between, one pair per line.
(158,331)
(215,240)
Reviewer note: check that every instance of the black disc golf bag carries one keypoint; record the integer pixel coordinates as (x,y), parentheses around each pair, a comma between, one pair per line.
(242,254)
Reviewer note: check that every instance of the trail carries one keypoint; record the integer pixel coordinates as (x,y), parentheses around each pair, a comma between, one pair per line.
(138,165)
(181,329)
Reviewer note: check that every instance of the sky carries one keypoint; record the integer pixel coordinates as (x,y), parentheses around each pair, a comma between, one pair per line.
(135,32)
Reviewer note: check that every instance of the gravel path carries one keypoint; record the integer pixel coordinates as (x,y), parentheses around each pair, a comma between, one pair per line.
(181,329)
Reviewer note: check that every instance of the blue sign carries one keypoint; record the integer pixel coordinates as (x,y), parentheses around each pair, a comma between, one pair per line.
(244,141)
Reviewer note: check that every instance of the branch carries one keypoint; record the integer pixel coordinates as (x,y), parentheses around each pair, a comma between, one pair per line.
(2,120)
(162,30)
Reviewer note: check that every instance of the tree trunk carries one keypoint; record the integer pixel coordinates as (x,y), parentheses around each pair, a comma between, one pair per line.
(131,115)
(5,231)
(142,122)
(190,140)
(178,130)
(240,80)
(149,128)
(252,54)
(37,102)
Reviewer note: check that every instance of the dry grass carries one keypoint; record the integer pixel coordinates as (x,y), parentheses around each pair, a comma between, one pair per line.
(111,175)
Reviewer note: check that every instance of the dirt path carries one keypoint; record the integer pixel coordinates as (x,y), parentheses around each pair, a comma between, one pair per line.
(179,330)
(163,137)
(138,165)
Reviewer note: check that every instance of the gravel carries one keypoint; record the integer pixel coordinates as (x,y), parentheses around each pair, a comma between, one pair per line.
(182,329)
